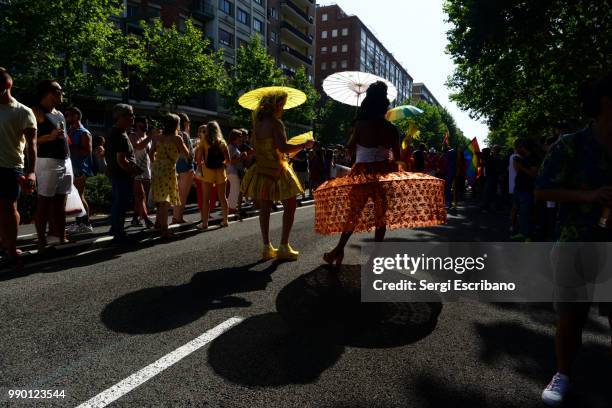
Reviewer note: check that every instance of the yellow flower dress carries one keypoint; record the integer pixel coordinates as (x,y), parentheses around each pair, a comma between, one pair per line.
(164,182)
(271,177)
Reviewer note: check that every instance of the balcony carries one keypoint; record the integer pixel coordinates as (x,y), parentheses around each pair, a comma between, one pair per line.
(296,11)
(203,10)
(307,38)
(296,54)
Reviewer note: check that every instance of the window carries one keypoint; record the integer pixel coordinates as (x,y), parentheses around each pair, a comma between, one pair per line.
(133,10)
(226,7)
(334,48)
(323,50)
(334,33)
(273,12)
(323,66)
(344,32)
(344,48)
(242,16)
(323,34)
(258,25)
(226,38)
(334,65)
(324,17)
(344,64)
(273,36)
(260,2)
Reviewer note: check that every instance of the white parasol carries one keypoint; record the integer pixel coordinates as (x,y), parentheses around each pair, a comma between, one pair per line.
(349,87)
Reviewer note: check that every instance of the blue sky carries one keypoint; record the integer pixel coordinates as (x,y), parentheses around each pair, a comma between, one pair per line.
(415,32)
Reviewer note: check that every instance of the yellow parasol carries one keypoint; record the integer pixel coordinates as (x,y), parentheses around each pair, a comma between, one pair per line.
(250,100)
(300,139)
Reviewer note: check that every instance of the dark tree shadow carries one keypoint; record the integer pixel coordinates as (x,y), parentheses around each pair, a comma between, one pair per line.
(57,259)
(328,300)
(544,313)
(531,355)
(434,392)
(159,309)
(263,351)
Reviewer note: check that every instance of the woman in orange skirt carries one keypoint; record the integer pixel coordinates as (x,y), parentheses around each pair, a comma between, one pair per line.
(376,195)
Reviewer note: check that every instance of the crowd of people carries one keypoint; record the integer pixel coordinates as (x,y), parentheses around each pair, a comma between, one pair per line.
(149,163)
(559,189)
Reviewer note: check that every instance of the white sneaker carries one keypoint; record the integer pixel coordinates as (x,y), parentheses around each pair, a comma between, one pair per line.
(84,229)
(555,392)
(72,228)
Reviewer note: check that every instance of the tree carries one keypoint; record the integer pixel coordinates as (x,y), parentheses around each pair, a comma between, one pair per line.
(306,113)
(254,68)
(455,135)
(430,124)
(334,120)
(175,65)
(76,42)
(520,64)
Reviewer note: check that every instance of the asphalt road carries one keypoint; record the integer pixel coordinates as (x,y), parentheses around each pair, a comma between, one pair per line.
(84,324)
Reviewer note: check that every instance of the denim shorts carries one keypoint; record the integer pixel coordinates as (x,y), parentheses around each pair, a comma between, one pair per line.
(9,183)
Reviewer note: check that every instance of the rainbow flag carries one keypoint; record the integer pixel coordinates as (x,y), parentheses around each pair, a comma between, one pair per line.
(470,154)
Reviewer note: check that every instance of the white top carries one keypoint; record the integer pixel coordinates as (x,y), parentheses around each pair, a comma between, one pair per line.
(143,161)
(373,154)
(14,119)
(511,173)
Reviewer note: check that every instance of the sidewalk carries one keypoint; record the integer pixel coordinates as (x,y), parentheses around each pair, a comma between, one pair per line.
(27,243)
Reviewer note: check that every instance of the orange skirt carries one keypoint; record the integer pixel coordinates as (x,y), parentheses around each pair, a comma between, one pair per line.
(376,195)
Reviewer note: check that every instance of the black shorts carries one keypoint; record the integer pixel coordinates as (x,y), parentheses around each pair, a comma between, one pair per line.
(9,183)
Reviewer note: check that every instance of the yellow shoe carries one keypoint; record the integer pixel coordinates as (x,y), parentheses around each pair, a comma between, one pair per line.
(286,253)
(269,252)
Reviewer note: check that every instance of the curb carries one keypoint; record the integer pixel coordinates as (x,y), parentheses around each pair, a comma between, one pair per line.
(32,257)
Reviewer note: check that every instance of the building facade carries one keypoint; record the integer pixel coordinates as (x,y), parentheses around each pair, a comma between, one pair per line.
(421,93)
(226,23)
(291,34)
(345,43)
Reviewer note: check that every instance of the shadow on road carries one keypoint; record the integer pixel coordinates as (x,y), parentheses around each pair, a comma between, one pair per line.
(263,351)
(159,309)
(55,257)
(531,355)
(318,315)
(331,300)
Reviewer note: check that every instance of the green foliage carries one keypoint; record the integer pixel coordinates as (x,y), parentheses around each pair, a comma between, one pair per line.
(520,64)
(430,124)
(254,68)
(306,113)
(334,121)
(56,39)
(176,65)
(99,193)
(455,135)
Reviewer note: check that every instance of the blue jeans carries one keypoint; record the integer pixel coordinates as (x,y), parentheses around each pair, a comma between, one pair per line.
(525,201)
(122,193)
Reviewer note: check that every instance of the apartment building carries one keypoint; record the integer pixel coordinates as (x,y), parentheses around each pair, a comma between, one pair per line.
(345,43)
(291,34)
(420,92)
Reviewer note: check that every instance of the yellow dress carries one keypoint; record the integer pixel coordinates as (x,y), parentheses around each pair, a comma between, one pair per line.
(163,180)
(271,177)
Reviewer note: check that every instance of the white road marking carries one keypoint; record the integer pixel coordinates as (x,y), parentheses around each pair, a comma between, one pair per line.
(140,377)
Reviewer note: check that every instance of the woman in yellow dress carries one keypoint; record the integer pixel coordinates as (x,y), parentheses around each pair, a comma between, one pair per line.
(271,178)
(211,157)
(165,152)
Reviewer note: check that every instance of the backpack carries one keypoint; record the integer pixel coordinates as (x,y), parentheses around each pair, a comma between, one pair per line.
(215,159)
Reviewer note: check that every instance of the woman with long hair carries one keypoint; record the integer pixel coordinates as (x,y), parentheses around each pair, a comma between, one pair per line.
(166,149)
(212,156)
(185,170)
(271,178)
(375,195)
